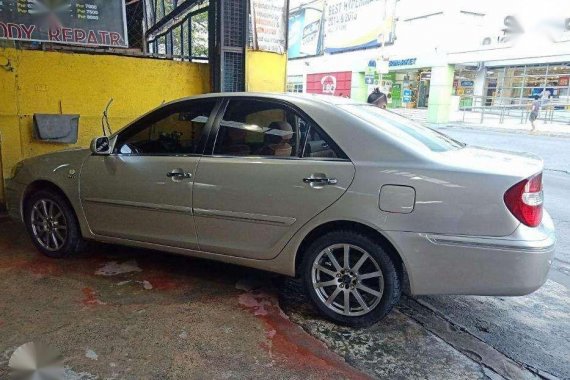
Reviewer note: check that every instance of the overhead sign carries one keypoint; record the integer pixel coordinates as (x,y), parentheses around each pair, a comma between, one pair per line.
(402,62)
(351,24)
(305,32)
(269,19)
(79,22)
(338,25)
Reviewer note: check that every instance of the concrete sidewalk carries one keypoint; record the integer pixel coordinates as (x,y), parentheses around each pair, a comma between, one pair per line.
(490,122)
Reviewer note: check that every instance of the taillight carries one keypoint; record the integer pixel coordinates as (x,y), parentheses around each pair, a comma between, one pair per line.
(524,200)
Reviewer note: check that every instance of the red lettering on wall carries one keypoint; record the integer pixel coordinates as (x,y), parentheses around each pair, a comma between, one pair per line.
(4,29)
(91,37)
(79,35)
(66,34)
(115,38)
(104,35)
(53,34)
(28,30)
(12,28)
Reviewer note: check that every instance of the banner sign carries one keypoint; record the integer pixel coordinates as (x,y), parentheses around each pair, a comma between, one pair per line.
(337,83)
(338,25)
(80,22)
(269,25)
(351,24)
(305,30)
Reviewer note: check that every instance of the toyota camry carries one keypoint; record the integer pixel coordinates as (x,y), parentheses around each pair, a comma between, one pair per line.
(358,202)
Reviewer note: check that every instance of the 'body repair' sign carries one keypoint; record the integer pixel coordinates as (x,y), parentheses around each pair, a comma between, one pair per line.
(94,23)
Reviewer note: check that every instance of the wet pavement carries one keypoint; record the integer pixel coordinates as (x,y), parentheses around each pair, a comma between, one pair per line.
(534,330)
(122,313)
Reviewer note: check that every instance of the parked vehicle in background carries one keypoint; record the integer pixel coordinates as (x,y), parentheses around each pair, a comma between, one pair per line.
(359,202)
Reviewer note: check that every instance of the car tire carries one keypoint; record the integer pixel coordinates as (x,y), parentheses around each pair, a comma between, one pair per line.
(52,224)
(373,285)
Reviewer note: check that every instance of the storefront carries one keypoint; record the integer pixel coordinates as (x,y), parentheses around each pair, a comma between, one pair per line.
(464,84)
(408,82)
(518,84)
(413,87)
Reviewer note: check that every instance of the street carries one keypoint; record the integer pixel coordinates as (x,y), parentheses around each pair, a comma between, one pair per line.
(510,337)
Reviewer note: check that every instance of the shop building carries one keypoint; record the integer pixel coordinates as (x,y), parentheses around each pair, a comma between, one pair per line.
(439,56)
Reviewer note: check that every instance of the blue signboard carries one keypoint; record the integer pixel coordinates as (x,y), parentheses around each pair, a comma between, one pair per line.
(467,83)
(296,24)
(407,95)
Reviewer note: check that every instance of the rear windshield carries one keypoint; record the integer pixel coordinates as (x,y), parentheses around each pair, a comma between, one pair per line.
(403,129)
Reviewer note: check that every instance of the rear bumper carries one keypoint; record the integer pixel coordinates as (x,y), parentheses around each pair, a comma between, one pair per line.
(507,266)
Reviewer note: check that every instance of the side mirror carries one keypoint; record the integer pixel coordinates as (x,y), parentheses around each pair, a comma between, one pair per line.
(101,145)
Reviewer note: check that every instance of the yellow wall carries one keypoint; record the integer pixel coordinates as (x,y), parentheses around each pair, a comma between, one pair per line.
(265,72)
(44,82)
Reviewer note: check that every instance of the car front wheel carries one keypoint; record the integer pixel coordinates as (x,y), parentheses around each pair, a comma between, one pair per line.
(52,224)
(350,278)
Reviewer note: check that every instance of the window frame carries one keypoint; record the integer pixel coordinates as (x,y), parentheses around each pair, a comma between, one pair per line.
(159,114)
(212,138)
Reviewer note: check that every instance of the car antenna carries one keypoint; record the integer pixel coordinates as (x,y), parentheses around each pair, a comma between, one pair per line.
(105,125)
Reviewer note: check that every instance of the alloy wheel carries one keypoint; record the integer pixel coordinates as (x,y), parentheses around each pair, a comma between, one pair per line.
(347,279)
(49,225)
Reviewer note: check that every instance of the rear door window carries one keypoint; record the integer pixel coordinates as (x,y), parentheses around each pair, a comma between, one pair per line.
(258,128)
(316,146)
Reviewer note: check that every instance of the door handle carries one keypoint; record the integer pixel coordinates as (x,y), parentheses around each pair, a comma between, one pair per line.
(320,181)
(178,174)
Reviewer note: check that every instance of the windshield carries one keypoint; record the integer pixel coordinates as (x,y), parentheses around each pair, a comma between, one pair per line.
(403,129)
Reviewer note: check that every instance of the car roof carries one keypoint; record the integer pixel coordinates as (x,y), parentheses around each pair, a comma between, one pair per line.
(287,96)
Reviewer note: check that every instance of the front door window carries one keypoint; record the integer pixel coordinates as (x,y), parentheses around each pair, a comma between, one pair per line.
(173,130)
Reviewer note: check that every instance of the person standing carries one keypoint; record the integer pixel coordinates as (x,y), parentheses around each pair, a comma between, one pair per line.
(535,108)
(378,98)
(539,101)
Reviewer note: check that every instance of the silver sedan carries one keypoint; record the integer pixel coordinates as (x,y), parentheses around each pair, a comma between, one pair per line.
(360,203)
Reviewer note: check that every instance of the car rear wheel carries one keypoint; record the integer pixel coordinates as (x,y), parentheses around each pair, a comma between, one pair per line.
(350,278)
(52,224)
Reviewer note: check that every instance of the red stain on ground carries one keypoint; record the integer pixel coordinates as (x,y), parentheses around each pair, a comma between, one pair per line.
(44,267)
(90,297)
(37,265)
(291,344)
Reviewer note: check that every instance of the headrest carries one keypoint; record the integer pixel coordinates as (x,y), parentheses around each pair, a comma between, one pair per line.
(282,129)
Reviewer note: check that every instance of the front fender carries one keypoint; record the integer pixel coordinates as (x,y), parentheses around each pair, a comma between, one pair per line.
(61,169)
